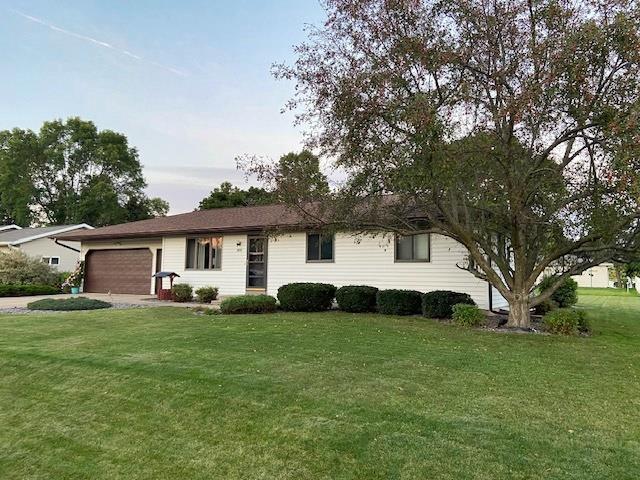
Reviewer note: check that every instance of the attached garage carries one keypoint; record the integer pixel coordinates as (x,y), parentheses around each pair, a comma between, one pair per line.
(118,271)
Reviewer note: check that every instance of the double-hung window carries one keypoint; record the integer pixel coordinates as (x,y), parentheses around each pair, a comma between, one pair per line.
(413,248)
(319,247)
(204,253)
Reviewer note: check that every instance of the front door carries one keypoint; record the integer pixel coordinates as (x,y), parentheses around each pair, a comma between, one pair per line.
(257,263)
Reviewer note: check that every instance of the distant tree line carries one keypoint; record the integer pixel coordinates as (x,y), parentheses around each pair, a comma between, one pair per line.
(70,172)
(296,171)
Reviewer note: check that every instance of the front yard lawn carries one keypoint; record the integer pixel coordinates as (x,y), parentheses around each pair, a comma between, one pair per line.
(165,394)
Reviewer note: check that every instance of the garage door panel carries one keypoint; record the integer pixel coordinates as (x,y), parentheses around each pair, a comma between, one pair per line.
(118,271)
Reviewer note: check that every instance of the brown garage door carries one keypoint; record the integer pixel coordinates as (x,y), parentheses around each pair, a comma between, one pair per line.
(118,271)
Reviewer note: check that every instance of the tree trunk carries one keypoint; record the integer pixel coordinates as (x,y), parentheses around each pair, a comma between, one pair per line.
(519,314)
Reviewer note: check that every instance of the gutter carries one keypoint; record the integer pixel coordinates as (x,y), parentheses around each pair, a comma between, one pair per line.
(57,242)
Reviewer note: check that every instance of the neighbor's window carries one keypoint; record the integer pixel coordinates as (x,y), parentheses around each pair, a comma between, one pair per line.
(319,247)
(204,253)
(51,260)
(413,248)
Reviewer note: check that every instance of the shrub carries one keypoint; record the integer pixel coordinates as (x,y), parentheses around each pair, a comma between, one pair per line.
(182,292)
(566,295)
(206,294)
(439,303)
(357,298)
(545,307)
(18,267)
(399,302)
(13,290)
(248,304)
(306,297)
(566,321)
(61,282)
(467,315)
(74,279)
(68,304)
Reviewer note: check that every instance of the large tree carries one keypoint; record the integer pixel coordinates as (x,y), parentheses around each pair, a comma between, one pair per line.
(509,126)
(71,172)
(227,195)
(293,173)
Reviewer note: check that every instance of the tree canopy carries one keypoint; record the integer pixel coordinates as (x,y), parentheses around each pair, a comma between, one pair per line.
(71,172)
(227,195)
(295,172)
(511,127)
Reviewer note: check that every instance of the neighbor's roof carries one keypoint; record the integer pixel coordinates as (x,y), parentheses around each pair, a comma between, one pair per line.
(237,219)
(9,227)
(23,235)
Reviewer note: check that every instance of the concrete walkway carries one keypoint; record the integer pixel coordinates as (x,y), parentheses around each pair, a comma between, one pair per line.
(141,300)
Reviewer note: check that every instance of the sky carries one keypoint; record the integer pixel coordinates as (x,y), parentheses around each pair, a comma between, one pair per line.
(188,82)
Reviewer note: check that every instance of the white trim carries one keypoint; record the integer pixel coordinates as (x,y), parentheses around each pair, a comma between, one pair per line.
(49,258)
(49,234)
(9,227)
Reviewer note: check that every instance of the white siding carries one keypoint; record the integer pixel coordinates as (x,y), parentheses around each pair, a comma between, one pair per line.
(230,279)
(46,247)
(370,261)
(358,261)
(597,277)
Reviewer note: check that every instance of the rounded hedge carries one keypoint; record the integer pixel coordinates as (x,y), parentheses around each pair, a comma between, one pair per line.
(567,293)
(248,304)
(399,302)
(206,294)
(68,304)
(566,321)
(439,303)
(467,315)
(357,298)
(306,297)
(19,290)
(182,292)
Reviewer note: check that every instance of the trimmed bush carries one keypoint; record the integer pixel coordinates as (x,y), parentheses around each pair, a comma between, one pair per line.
(206,294)
(566,321)
(357,298)
(439,303)
(68,304)
(306,297)
(248,304)
(399,302)
(17,267)
(566,295)
(182,292)
(13,290)
(468,315)
(545,307)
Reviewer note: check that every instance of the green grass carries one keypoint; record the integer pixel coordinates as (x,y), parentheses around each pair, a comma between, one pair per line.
(165,394)
(607,292)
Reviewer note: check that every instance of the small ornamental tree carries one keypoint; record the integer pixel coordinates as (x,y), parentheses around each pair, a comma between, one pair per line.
(511,127)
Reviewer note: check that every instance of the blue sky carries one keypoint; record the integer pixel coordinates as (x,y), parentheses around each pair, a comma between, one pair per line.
(187,81)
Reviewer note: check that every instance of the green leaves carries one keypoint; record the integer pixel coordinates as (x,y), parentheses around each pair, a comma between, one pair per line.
(70,172)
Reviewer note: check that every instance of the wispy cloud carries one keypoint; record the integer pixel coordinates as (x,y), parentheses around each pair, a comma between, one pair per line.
(100,43)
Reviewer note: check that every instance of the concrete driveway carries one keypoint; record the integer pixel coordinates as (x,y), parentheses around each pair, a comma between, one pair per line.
(120,299)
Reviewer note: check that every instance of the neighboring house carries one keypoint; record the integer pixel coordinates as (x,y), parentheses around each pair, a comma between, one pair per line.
(231,249)
(596,277)
(37,243)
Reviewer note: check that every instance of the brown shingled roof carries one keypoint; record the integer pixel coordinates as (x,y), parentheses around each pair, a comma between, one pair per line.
(219,220)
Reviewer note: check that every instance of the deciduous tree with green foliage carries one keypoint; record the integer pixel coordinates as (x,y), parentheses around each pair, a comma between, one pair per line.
(71,172)
(511,127)
(226,195)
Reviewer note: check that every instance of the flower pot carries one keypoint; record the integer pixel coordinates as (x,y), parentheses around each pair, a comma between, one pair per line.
(75,290)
